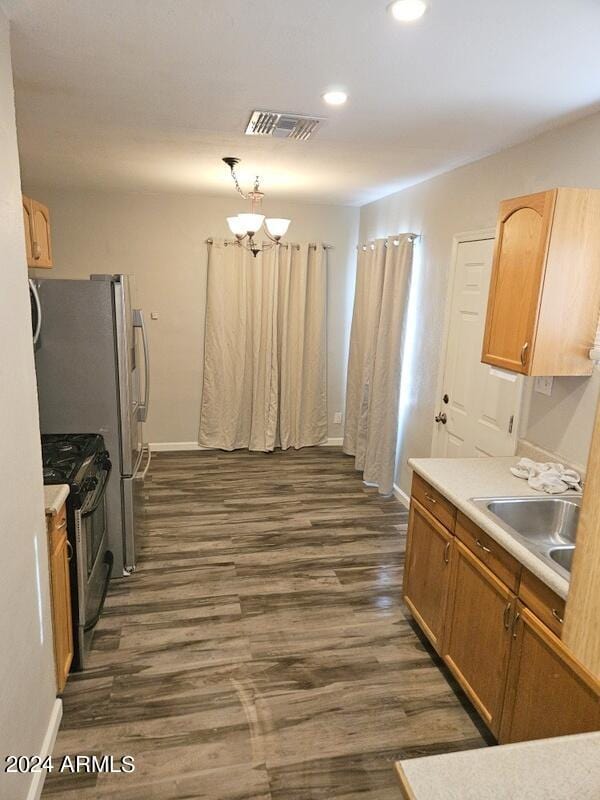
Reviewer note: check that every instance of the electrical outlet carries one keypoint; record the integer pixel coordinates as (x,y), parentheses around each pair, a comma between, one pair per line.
(337,417)
(544,386)
(154,315)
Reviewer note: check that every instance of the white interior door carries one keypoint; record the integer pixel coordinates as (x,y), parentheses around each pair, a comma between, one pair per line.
(479,405)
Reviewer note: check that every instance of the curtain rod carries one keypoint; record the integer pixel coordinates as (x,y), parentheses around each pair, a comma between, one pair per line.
(412,237)
(312,245)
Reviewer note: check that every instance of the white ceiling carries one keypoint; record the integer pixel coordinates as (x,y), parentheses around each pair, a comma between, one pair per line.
(150,94)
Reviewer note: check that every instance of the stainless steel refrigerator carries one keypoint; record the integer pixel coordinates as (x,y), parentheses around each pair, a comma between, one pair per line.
(89,381)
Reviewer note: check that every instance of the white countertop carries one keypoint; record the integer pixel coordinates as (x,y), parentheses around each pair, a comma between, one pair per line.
(54,498)
(460,479)
(546,769)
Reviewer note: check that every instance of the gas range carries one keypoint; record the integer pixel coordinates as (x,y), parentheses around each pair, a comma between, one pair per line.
(73,458)
(81,461)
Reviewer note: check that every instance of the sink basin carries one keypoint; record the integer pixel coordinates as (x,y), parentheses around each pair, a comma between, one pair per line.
(547,520)
(547,526)
(563,556)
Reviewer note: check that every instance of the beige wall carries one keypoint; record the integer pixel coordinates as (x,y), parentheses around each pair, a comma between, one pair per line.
(161,240)
(27,687)
(464,200)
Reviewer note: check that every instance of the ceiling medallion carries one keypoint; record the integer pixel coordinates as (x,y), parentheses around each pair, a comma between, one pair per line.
(245,226)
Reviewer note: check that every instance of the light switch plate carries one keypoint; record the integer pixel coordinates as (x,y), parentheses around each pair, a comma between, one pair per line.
(544,385)
(154,315)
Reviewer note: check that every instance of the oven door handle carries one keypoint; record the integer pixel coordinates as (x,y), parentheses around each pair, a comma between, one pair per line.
(108,560)
(99,494)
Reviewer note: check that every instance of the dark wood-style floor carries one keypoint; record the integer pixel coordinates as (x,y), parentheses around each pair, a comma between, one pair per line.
(261,651)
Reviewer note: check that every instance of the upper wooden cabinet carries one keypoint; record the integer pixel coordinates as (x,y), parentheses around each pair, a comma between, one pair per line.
(38,242)
(545,286)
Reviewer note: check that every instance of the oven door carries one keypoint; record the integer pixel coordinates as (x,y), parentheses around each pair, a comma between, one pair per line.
(94,561)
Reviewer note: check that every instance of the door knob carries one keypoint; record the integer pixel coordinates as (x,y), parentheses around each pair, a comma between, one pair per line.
(441,418)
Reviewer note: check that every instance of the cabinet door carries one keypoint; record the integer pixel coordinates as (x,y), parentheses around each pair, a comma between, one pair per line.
(28,229)
(515,287)
(478,637)
(427,571)
(42,243)
(61,607)
(548,693)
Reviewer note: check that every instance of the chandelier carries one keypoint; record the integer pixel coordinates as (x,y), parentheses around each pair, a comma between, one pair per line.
(245,226)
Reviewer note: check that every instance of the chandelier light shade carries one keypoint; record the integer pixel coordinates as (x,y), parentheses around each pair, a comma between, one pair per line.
(245,226)
(277,227)
(236,226)
(251,223)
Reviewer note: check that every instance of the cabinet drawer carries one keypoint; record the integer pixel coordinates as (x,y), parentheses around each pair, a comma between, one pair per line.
(545,604)
(501,563)
(434,502)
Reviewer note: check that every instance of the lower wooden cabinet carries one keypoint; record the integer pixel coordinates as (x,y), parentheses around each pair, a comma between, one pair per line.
(479,634)
(471,600)
(427,572)
(60,584)
(549,693)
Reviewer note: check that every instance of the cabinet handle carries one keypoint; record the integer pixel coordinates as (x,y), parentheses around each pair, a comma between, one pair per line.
(557,616)
(507,611)
(447,553)
(515,620)
(483,547)
(524,353)
(69,550)
(37,251)
(430,499)
(62,525)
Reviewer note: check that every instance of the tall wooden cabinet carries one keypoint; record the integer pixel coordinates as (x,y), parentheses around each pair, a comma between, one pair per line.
(38,241)
(544,294)
(62,626)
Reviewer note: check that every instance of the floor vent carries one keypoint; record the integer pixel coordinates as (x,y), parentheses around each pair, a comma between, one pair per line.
(282,126)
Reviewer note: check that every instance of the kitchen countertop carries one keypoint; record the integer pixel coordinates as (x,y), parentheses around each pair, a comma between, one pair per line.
(54,498)
(546,769)
(460,479)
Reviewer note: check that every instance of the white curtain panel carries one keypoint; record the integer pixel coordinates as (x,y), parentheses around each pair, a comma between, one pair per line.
(265,351)
(375,360)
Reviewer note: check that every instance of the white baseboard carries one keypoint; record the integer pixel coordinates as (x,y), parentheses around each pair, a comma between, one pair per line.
(401,496)
(37,782)
(175,447)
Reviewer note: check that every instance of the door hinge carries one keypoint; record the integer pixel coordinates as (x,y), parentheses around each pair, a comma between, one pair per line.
(511,423)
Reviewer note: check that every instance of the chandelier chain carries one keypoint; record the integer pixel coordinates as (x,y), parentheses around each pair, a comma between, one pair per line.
(243,194)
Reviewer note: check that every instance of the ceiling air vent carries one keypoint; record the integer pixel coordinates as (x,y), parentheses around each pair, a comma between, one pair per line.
(282,126)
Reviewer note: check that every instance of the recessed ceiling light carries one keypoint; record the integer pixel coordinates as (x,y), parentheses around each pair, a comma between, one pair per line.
(335,97)
(407,10)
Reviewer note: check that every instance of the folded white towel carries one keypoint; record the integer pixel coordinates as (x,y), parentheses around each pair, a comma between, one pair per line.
(551,477)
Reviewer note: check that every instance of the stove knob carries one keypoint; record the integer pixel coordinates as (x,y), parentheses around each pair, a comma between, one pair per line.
(90,484)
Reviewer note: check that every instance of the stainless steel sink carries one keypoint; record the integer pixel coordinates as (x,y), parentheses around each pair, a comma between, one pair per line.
(563,556)
(547,526)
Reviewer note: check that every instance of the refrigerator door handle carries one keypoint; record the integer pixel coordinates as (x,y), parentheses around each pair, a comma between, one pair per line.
(38,305)
(139,322)
(140,474)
